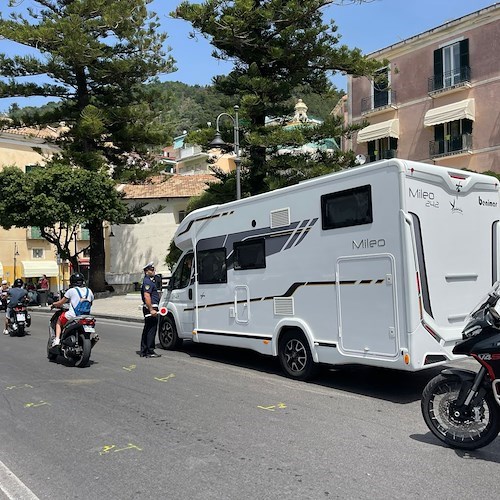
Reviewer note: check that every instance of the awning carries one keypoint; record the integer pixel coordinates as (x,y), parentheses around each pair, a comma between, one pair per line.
(451,112)
(389,128)
(1,271)
(35,268)
(84,261)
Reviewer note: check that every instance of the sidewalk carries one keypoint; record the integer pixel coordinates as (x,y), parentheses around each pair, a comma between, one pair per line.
(128,307)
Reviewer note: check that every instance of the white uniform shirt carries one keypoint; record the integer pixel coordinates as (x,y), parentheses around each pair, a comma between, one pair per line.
(74,299)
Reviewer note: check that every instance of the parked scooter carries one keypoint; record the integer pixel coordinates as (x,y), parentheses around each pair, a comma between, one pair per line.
(78,337)
(462,407)
(19,320)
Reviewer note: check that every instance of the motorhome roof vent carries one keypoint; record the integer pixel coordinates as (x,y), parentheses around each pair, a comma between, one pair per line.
(280,218)
(283,306)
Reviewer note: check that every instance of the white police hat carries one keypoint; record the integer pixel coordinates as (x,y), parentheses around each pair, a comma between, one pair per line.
(149,264)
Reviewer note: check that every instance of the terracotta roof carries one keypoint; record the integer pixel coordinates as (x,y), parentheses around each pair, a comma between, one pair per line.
(168,186)
(40,133)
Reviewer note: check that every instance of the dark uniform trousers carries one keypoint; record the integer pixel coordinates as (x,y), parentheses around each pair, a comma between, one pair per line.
(149,334)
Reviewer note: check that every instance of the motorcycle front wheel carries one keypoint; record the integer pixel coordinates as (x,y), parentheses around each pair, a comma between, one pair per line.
(86,344)
(469,430)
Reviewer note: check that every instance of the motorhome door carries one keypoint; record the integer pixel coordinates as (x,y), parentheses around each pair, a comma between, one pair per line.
(367,305)
(181,287)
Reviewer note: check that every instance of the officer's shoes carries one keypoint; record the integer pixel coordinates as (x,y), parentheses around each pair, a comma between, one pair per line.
(153,355)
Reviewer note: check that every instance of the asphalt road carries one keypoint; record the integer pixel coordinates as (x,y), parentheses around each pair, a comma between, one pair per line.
(212,423)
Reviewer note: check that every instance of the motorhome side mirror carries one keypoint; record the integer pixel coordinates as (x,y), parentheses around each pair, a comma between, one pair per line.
(158,281)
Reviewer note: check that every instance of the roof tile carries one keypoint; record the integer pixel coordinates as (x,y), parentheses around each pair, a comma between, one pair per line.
(168,186)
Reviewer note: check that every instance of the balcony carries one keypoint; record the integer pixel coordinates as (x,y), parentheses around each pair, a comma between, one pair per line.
(451,146)
(449,81)
(378,102)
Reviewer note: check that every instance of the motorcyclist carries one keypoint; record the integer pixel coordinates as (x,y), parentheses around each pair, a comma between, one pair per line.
(77,292)
(4,289)
(15,294)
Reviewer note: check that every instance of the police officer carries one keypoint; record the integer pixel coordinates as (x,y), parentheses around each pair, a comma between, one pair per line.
(150,301)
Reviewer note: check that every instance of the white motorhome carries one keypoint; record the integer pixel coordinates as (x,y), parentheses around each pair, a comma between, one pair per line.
(378,265)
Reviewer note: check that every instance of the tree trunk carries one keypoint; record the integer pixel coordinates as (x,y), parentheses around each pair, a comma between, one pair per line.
(97,256)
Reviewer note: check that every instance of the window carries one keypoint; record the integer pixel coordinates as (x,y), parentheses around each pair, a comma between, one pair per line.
(250,254)
(452,137)
(182,274)
(181,215)
(351,207)
(212,266)
(37,253)
(451,65)
(382,149)
(34,233)
(29,168)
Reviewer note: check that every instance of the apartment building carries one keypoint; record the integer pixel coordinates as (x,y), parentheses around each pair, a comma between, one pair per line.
(438,99)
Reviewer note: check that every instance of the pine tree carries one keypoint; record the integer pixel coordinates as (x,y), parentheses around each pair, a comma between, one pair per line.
(98,55)
(276,46)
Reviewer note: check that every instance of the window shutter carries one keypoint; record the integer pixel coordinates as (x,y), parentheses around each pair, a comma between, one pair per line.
(464,53)
(439,132)
(464,60)
(466,126)
(438,69)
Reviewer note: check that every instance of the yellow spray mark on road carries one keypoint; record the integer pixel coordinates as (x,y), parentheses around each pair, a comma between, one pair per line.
(129,368)
(272,407)
(165,379)
(34,405)
(111,448)
(24,386)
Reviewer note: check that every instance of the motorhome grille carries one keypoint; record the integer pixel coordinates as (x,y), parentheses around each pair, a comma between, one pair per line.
(283,306)
(280,218)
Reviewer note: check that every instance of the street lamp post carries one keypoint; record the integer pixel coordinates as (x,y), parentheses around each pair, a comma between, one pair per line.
(219,142)
(16,253)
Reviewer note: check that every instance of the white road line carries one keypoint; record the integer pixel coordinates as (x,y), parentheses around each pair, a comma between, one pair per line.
(13,487)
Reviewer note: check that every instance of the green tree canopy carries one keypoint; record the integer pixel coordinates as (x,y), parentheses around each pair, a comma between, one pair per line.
(58,199)
(276,47)
(98,55)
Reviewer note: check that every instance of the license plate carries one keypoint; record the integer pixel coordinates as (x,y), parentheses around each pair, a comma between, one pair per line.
(20,317)
(88,329)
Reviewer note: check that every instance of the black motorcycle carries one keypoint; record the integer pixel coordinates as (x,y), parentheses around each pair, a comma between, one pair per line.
(462,407)
(19,320)
(78,337)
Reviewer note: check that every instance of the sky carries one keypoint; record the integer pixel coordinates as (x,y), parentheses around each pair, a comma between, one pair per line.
(367,26)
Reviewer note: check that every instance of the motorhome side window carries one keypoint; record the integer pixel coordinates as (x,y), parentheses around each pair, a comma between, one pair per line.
(212,266)
(250,254)
(351,207)
(182,275)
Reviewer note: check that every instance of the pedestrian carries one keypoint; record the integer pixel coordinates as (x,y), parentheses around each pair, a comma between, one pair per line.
(3,295)
(43,283)
(150,300)
(43,290)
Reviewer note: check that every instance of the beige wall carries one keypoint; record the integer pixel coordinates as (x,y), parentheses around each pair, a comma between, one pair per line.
(19,151)
(134,245)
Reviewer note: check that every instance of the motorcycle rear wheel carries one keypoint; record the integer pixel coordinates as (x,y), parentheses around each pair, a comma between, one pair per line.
(476,431)
(86,344)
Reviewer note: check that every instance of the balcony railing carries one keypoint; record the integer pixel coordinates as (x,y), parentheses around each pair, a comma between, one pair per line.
(452,146)
(384,155)
(378,101)
(449,79)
